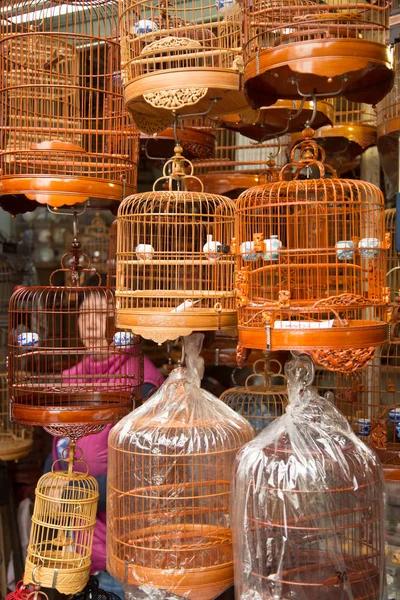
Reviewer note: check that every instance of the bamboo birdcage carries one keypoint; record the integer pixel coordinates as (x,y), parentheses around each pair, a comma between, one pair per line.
(259,402)
(174,259)
(393,260)
(69,369)
(311,264)
(170,465)
(240,164)
(163,41)
(65,135)
(301,47)
(63,520)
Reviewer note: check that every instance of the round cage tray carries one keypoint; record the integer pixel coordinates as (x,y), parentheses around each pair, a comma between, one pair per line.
(360,68)
(161,324)
(227,181)
(278,118)
(349,138)
(69,577)
(196,143)
(13,448)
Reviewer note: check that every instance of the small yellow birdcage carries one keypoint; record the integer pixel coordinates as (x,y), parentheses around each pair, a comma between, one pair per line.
(15,439)
(183,57)
(311,264)
(174,259)
(260,400)
(295,48)
(63,520)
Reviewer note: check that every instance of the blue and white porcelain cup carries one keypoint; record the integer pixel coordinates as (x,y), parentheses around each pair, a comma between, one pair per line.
(363,427)
(247,251)
(345,249)
(124,338)
(369,247)
(144,26)
(394,415)
(28,339)
(272,247)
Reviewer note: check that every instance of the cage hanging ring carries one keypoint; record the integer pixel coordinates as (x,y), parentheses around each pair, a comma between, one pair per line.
(34,578)
(218,307)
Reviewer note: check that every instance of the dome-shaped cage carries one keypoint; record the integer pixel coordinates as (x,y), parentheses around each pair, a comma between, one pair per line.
(307,509)
(65,135)
(162,41)
(63,520)
(169,472)
(300,47)
(174,260)
(69,369)
(261,400)
(15,439)
(311,264)
(393,259)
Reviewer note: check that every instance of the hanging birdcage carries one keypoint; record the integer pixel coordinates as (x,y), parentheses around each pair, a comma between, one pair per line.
(240,164)
(174,260)
(285,116)
(63,520)
(65,135)
(307,508)
(15,439)
(69,369)
(169,471)
(260,402)
(162,42)
(295,48)
(311,264)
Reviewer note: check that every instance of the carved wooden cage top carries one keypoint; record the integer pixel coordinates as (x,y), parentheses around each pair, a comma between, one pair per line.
(69,369)
(282,36)
(162,41)
(65,135)
(311,263)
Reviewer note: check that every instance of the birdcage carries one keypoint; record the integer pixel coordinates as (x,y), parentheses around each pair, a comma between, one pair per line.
(197,136)
(302,47)
(63,520)
(162,41)
(169,473)
(65,135)
(240,164)
(311,264)
(261,400)
(15,439)
(285,116)
(393,259)
(307,510)
(353,131)
(174,260)
(69,369)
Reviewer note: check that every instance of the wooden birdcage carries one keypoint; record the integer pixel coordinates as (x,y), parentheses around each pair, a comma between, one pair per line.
(65,136)
(393,259)
(353,131)
(174,261)
(240,164)
(260,400)
(162,42)
(69,369)
(15,439)
(301,47)
(169,471)
(285,116)
(197,136)
(63,520)
(311,264)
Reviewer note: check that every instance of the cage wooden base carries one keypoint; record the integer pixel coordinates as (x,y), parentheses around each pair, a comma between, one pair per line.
(161,325)
(14,449)
(220,83)
(319,66)
(195,143)
(348,137)
(69,581)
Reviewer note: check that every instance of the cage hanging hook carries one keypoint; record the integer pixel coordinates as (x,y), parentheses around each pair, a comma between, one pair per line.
(310,122)
(291,117)
(294,81)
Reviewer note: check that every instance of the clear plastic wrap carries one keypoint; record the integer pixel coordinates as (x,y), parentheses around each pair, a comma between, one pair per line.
(169,479)
(307,505)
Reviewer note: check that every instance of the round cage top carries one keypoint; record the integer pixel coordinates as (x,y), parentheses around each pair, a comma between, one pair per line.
(66,134)
(70,369)
(312,263)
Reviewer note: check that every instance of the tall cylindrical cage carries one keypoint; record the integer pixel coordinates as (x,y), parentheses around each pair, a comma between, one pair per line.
(311,264)
(175,262)
(69,369)
(298,47)
(161,42)
(15,439)
(65,136)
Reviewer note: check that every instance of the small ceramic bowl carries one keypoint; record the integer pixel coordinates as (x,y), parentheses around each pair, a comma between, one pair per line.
(28,339)
(369,247)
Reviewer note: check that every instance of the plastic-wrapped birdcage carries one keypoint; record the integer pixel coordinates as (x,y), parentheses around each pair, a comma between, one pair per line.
(65,135)
(295,48)
(69,369)
(311,264)
(169,473)
(174,259)
(63,520)
(261,399)
(307,506)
